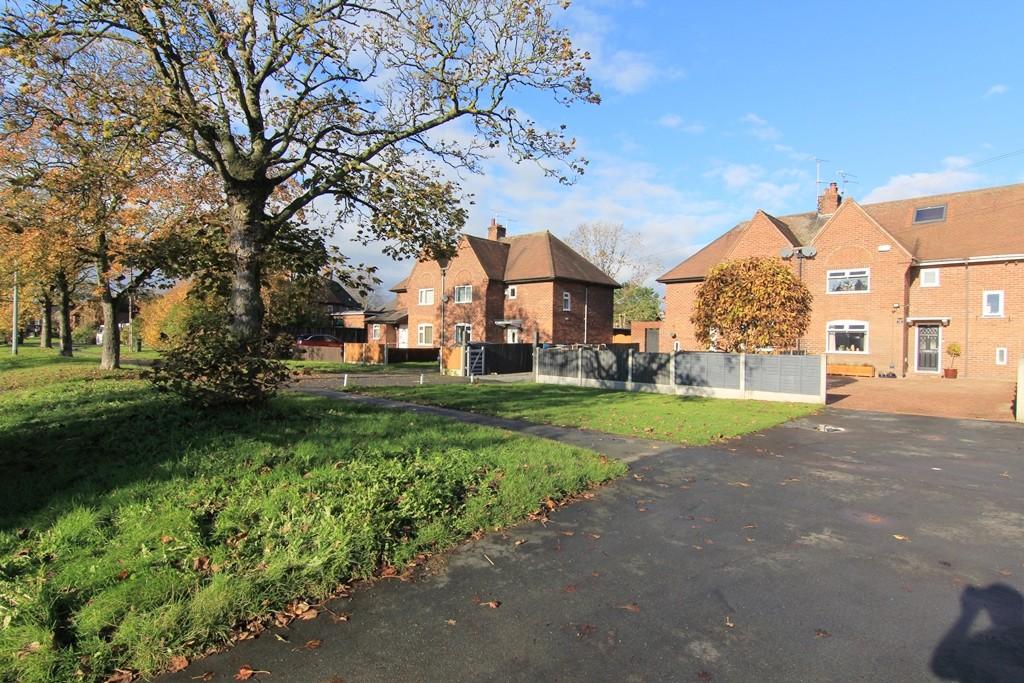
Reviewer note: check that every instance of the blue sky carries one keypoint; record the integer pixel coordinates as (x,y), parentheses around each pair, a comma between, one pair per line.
(713,110)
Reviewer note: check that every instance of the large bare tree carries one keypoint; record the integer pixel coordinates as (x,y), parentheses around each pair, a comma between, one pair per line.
(621,254)
(335,97)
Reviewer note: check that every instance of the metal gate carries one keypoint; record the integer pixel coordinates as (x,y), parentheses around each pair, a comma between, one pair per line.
(474,361)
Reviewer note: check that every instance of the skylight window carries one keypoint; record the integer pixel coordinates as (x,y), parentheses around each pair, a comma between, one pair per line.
(930,214)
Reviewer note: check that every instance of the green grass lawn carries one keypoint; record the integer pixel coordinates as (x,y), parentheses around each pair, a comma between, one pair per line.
(135,528)
(656,416)
(324,366)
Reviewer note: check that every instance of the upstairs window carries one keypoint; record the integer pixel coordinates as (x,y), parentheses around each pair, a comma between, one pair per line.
(566,301)
(426,297)
(849,281)
(375,331)
(930,214)
(511,292)
(992,304)
(463,294)
(930,277)
(848,336)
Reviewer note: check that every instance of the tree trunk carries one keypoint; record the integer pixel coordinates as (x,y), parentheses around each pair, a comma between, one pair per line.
(46,331)
(110,359)
(64,291)
(246,305)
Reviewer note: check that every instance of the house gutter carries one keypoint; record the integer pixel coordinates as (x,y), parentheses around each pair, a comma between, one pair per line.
(586,311)
(970,259)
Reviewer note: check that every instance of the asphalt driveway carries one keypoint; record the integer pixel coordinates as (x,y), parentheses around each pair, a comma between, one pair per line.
(790,555)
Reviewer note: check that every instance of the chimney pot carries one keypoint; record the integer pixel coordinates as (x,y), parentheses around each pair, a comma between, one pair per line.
(495,231)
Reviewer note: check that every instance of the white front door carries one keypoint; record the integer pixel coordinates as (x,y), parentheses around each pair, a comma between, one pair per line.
(512,335)
(403,337)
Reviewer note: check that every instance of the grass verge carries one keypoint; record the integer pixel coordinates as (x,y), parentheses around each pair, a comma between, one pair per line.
(684,420)
(136,529)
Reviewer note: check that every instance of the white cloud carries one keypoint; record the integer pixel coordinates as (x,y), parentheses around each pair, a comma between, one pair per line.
(760,128)
(997,89)
(793,154)
(768,190)
(953,177)
(624,71)
(679,123)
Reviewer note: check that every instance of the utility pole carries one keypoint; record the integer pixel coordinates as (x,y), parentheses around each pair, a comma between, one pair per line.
(14,318)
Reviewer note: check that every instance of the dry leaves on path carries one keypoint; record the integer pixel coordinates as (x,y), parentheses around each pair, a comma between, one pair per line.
(631,607)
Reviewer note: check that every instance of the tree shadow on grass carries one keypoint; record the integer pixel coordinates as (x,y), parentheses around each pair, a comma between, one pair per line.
(101,448)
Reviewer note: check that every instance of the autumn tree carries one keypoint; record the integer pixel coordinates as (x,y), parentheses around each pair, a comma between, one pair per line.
(347,100)
(750,304)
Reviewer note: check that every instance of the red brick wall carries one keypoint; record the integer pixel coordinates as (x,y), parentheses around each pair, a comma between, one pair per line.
(593,301)
(679,300)
(638,334)
(760,238)
(850,240)
(532,305)
(959,298)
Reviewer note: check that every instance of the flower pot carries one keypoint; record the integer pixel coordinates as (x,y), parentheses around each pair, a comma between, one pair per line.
(949,373)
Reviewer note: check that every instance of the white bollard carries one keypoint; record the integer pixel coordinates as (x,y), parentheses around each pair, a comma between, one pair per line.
(421,379)
(344,382)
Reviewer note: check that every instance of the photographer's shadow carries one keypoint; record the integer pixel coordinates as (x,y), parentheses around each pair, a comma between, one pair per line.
(993,655)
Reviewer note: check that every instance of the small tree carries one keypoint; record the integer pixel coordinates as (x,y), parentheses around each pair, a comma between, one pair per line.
(636,302)
(751,304)
(954,351)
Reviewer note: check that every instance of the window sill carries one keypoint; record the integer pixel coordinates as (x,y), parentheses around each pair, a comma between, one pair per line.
(849,353)
(992,316)
(858,291)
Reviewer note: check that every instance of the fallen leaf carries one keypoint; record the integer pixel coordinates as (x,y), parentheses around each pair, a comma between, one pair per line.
(550,504)
(567,533)
(340,617)
(585,630)
(205,676)
(28,649)
(741,484)
(246,673)
(631,607)
(1005,572)
(313,644)
(166,539)
(750,526)
(641,509)
(728,622)
(450,622)
(1005,475)
(278,636)
(201,564)
(821,633)
(307,615)
(900,537)
(493,604)
(177,663)
(569,589)
(520,542)
(120,676)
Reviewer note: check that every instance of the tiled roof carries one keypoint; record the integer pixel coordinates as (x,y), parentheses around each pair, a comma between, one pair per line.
(986,222)
(401,286)
(391,314)
(532,257)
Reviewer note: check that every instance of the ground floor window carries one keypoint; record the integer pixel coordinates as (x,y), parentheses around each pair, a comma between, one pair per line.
(463,333)
(848,336)
(1001,355)
(425,335)
(375,331)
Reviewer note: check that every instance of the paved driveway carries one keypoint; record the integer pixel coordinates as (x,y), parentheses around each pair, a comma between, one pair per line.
(790,555)
(978,399)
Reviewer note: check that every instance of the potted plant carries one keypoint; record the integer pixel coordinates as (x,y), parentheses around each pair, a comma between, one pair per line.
(953,351)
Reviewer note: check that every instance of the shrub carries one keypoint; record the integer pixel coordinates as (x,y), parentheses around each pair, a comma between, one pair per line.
(84,334)
(164,320)
(210,367)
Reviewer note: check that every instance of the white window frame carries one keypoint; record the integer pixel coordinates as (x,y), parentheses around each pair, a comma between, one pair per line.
(463,289)
(677,346)
(421,337)
(566,301)
(426,296)
(844,326)
(930,271)
(375,331)
(1001,351)
(511,291)
(847,273)
(513,335)
(468,327)
(985,313)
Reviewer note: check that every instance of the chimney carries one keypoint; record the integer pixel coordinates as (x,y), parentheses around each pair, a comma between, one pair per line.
(495,231)
(829,200)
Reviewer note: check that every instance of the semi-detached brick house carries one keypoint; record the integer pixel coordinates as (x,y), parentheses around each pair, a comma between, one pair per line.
(500,289)
(894,283)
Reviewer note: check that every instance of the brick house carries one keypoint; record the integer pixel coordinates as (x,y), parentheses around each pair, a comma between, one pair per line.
(500,289)
(894,283)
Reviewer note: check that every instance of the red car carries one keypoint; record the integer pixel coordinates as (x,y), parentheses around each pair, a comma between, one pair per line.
(318,340)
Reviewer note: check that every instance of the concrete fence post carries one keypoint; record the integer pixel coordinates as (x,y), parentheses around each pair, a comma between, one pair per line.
(743,373)
(385,354)
(672,369)
(1020,391)
(579,365)
(536,363)
(629,371)
(823,368)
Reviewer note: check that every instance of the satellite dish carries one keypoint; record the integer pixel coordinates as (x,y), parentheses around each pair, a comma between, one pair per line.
(785,252)
(809,251)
